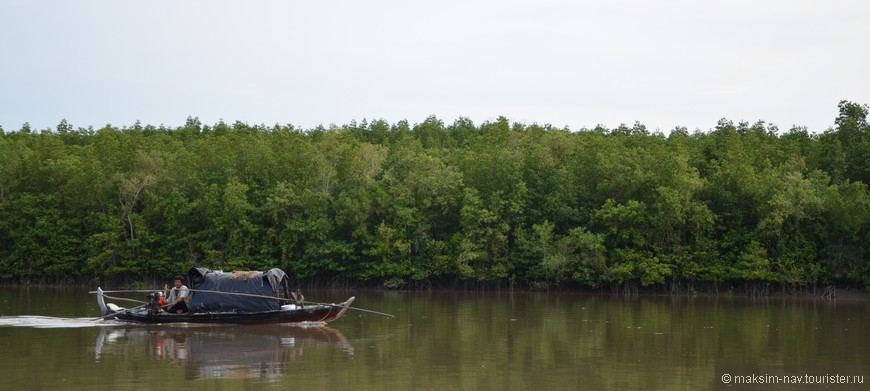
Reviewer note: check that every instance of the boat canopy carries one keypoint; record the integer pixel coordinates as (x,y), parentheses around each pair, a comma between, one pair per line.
(273,283)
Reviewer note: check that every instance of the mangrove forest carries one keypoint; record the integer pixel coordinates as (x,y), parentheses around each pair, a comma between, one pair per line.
(435,204)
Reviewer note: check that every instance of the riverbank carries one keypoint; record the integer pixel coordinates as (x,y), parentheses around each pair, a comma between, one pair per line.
(828,292)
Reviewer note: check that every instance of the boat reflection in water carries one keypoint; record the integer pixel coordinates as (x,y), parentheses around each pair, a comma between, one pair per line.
(222,351)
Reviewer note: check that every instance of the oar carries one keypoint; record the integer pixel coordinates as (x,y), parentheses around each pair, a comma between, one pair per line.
(353,308)
(240,294)
(281,298)
(124,299)
(131,291)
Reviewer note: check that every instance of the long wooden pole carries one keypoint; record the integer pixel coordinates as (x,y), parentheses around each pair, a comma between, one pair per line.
(200,290)
(124,299)
(354,308)
(240,294)
(130,291)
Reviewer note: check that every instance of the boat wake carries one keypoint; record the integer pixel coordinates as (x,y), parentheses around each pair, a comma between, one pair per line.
(49,322)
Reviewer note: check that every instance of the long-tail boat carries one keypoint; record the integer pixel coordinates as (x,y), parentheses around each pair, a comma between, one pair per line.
(240,297)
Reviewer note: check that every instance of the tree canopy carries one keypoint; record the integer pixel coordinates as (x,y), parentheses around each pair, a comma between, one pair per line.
(433,204)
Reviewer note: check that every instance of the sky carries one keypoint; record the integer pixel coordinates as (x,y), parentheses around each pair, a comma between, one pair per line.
(574,64)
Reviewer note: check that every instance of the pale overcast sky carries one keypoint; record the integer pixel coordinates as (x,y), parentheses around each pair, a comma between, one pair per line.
(664,63)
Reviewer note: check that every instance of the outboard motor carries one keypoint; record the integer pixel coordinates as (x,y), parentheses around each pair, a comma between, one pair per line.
(155,302)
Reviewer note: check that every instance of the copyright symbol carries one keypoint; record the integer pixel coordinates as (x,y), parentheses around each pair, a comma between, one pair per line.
(726,378)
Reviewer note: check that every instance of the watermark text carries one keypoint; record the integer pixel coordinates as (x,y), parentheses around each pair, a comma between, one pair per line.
(828,378)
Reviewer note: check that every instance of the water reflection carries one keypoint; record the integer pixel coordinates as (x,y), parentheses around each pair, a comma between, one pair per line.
(263,352)
(448,340)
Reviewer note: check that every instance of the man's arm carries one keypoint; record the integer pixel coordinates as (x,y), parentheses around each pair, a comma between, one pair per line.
(183,293)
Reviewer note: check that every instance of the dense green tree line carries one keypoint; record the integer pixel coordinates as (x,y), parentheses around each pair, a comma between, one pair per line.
(395,204)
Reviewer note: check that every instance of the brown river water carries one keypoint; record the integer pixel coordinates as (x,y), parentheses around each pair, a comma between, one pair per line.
(449,341)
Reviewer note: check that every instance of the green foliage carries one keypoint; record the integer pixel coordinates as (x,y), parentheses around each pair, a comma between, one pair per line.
(401,204)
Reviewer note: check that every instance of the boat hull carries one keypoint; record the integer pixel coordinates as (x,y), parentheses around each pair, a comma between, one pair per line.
(308,313)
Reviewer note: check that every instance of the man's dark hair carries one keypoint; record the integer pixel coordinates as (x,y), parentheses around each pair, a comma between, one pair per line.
(180,278)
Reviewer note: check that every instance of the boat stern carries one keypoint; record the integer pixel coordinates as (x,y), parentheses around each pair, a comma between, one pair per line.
(102,302)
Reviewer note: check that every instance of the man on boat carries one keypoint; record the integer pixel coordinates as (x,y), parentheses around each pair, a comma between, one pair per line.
(178,297)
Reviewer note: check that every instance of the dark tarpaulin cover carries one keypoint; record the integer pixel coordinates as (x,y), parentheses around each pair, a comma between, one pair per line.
(253,283)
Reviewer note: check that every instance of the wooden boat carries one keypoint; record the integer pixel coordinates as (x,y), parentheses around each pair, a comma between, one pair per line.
(249,297)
